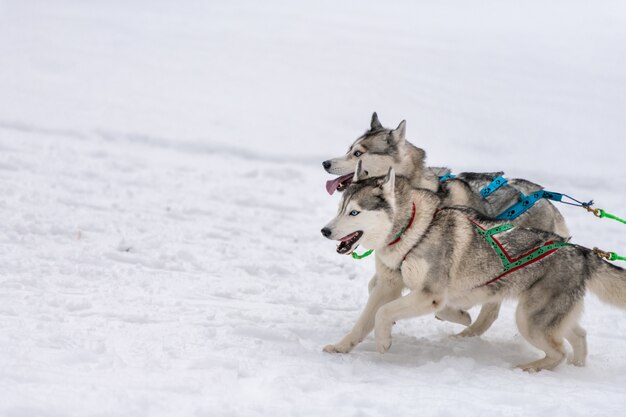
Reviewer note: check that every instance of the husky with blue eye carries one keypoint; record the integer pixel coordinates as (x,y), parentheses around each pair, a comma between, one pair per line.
(380,148)
(457,258)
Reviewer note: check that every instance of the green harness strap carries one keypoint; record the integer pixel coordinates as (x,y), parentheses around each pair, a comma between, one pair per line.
(364,255)
(510,264)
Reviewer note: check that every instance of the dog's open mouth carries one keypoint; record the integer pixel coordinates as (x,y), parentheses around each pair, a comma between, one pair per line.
(339,183)
(348,243)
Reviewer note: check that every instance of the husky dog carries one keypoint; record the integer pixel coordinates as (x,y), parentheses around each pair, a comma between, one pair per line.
(445,258)
(379,148)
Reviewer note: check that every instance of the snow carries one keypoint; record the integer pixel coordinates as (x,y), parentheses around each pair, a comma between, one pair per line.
(162,198)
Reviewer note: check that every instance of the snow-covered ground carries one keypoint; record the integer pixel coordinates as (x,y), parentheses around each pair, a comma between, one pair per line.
(162,197)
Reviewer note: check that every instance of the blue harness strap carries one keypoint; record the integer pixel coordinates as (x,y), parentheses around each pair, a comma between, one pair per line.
(527,202)
(495,184)
(486,191)
(444,178)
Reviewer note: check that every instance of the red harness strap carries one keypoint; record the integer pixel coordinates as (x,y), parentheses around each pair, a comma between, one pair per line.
(404,229)
(521,261)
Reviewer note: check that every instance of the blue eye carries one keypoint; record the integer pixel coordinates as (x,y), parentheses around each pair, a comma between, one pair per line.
(354,213)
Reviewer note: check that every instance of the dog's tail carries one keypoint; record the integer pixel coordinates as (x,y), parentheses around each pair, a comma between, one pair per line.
(608,282)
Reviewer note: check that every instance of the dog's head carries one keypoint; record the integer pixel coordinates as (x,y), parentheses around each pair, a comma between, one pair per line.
(365,214)
(377,150)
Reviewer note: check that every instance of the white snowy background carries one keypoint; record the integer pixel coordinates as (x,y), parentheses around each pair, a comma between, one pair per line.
(162,195)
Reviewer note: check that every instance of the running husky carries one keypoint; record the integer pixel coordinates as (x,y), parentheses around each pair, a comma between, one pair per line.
(379,148)
(457,257)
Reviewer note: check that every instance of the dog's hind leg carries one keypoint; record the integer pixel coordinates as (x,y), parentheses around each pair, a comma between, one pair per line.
(553,349)
(551,345)
(488,314)
(544,319)
(577,337)
(387,287)
(454,315)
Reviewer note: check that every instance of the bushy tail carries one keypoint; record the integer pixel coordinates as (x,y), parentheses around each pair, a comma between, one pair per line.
(608,282)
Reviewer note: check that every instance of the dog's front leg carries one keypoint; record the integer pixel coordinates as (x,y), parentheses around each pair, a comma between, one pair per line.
(488,314)
(416,303)
(371,284)
(388,287)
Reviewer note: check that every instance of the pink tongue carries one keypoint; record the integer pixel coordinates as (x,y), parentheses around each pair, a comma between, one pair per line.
(350,236)
(331,185)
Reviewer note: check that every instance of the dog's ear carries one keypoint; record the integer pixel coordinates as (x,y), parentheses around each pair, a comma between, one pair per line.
(359,172)
(375,123)
(388,183)
(397,136)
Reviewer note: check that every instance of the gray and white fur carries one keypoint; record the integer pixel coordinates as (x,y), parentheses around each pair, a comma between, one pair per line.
(445,262)
(380,148)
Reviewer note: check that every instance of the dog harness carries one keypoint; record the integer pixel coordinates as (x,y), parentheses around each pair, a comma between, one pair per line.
(525,202)
(509,264)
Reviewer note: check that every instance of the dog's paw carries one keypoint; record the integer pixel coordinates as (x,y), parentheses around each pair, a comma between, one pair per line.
(338,348)
(383,344)
(454,316)
(468,332)
(576,362)
(530,369)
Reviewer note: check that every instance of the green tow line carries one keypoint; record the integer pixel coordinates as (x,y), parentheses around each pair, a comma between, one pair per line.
(602,214)
(616,257)
(609,256)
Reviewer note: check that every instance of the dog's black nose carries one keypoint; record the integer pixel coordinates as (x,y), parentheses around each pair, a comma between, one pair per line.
(326,164)
(326,232)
